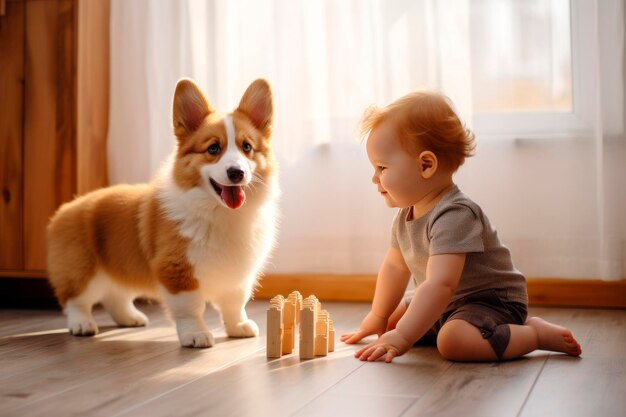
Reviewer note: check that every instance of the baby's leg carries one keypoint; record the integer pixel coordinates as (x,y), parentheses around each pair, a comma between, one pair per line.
(459,340)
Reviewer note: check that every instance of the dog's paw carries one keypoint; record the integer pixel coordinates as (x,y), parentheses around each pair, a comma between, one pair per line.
(84,327)
(197,340)
(132,319)
(246,328)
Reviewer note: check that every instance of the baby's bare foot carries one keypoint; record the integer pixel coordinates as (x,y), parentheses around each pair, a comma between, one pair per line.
(554,338)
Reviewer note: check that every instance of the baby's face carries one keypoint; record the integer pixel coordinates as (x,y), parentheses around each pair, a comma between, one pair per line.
(397,174)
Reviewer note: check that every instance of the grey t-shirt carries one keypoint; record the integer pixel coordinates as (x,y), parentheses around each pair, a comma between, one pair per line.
(457,225)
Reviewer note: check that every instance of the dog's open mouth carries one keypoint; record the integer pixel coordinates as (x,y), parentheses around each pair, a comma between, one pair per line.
(232,195)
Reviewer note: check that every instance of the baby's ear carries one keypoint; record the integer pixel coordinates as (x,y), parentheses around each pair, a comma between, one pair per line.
(428,164)
(256,103)
(190,108)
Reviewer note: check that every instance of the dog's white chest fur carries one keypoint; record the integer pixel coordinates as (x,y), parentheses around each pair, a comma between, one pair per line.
(227,248)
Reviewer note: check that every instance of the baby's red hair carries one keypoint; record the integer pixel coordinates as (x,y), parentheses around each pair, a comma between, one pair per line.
(425,121)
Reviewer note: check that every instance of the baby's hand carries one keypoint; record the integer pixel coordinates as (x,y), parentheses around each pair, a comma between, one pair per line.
(389,345)
(371,324)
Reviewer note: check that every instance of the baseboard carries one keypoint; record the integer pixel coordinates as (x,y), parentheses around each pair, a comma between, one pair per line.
(19,292)
(324,286)
(541,291)
(577,293)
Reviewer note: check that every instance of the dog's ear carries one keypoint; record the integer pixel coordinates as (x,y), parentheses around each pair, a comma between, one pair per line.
(190,107)
(256,103)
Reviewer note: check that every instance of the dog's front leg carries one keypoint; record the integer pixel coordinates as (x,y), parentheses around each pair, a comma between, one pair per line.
(187,308)
(232,308)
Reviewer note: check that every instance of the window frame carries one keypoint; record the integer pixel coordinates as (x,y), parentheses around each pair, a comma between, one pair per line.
(557,124)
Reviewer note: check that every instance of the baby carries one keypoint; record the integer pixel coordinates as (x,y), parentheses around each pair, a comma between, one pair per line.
(468,295)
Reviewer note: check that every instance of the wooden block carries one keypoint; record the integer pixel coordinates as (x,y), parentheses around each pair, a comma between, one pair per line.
(289,324)
(278,300)
(316,331)
(312,302)
(274,332)
(296,298)
(288,341)
(331,335)
(321,334)
(275,327)
(307,331)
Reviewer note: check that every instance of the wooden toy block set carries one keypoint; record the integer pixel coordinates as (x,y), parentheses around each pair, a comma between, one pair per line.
(316,331)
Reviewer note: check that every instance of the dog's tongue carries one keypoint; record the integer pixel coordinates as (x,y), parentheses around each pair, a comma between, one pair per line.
(233,196)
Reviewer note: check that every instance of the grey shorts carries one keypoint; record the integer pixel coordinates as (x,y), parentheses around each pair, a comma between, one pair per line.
(488,311)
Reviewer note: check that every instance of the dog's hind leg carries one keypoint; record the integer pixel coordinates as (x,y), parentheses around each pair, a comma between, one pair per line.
(80,321)
(119,303)
(71,272)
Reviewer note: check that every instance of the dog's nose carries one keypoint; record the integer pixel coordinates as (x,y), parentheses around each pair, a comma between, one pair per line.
(234,174)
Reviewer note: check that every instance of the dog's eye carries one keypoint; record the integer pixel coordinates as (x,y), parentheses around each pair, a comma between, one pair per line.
(246,147)
(214,149)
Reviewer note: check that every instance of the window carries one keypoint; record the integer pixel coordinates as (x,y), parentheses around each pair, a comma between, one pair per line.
(521,55)
(530,74)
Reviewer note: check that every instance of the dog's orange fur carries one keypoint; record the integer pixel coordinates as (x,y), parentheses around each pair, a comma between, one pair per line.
(120,230)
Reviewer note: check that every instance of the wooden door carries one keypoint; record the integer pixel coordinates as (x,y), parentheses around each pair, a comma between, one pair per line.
(49,120)
(50,131)
(11,131)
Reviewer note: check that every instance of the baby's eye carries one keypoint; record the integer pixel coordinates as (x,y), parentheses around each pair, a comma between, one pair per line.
(214,149)
(381,169)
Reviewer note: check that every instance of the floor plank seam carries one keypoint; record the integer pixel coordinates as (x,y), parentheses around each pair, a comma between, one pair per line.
(532,387)
(408,407)
(191,381)
(95,379)
(406,410)
(326,390)
(78,385)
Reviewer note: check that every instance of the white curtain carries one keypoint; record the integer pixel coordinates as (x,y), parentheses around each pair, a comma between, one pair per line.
(327,61)
(610,142)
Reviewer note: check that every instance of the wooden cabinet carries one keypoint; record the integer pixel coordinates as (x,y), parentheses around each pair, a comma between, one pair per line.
(53,118)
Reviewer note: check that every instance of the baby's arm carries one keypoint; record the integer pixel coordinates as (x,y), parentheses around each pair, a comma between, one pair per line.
(391,283)
(429,302)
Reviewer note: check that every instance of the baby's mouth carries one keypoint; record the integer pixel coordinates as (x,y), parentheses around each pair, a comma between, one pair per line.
(232,195)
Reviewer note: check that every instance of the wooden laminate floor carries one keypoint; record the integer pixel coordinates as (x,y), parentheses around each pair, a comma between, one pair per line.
(144,372)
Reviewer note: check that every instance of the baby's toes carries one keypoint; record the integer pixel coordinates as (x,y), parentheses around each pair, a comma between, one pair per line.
(573,348)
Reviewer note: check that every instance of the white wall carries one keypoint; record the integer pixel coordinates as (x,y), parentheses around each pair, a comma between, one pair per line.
(332,218)
(540,194)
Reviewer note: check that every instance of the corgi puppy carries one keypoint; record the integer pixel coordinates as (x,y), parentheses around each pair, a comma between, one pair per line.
(200,231)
